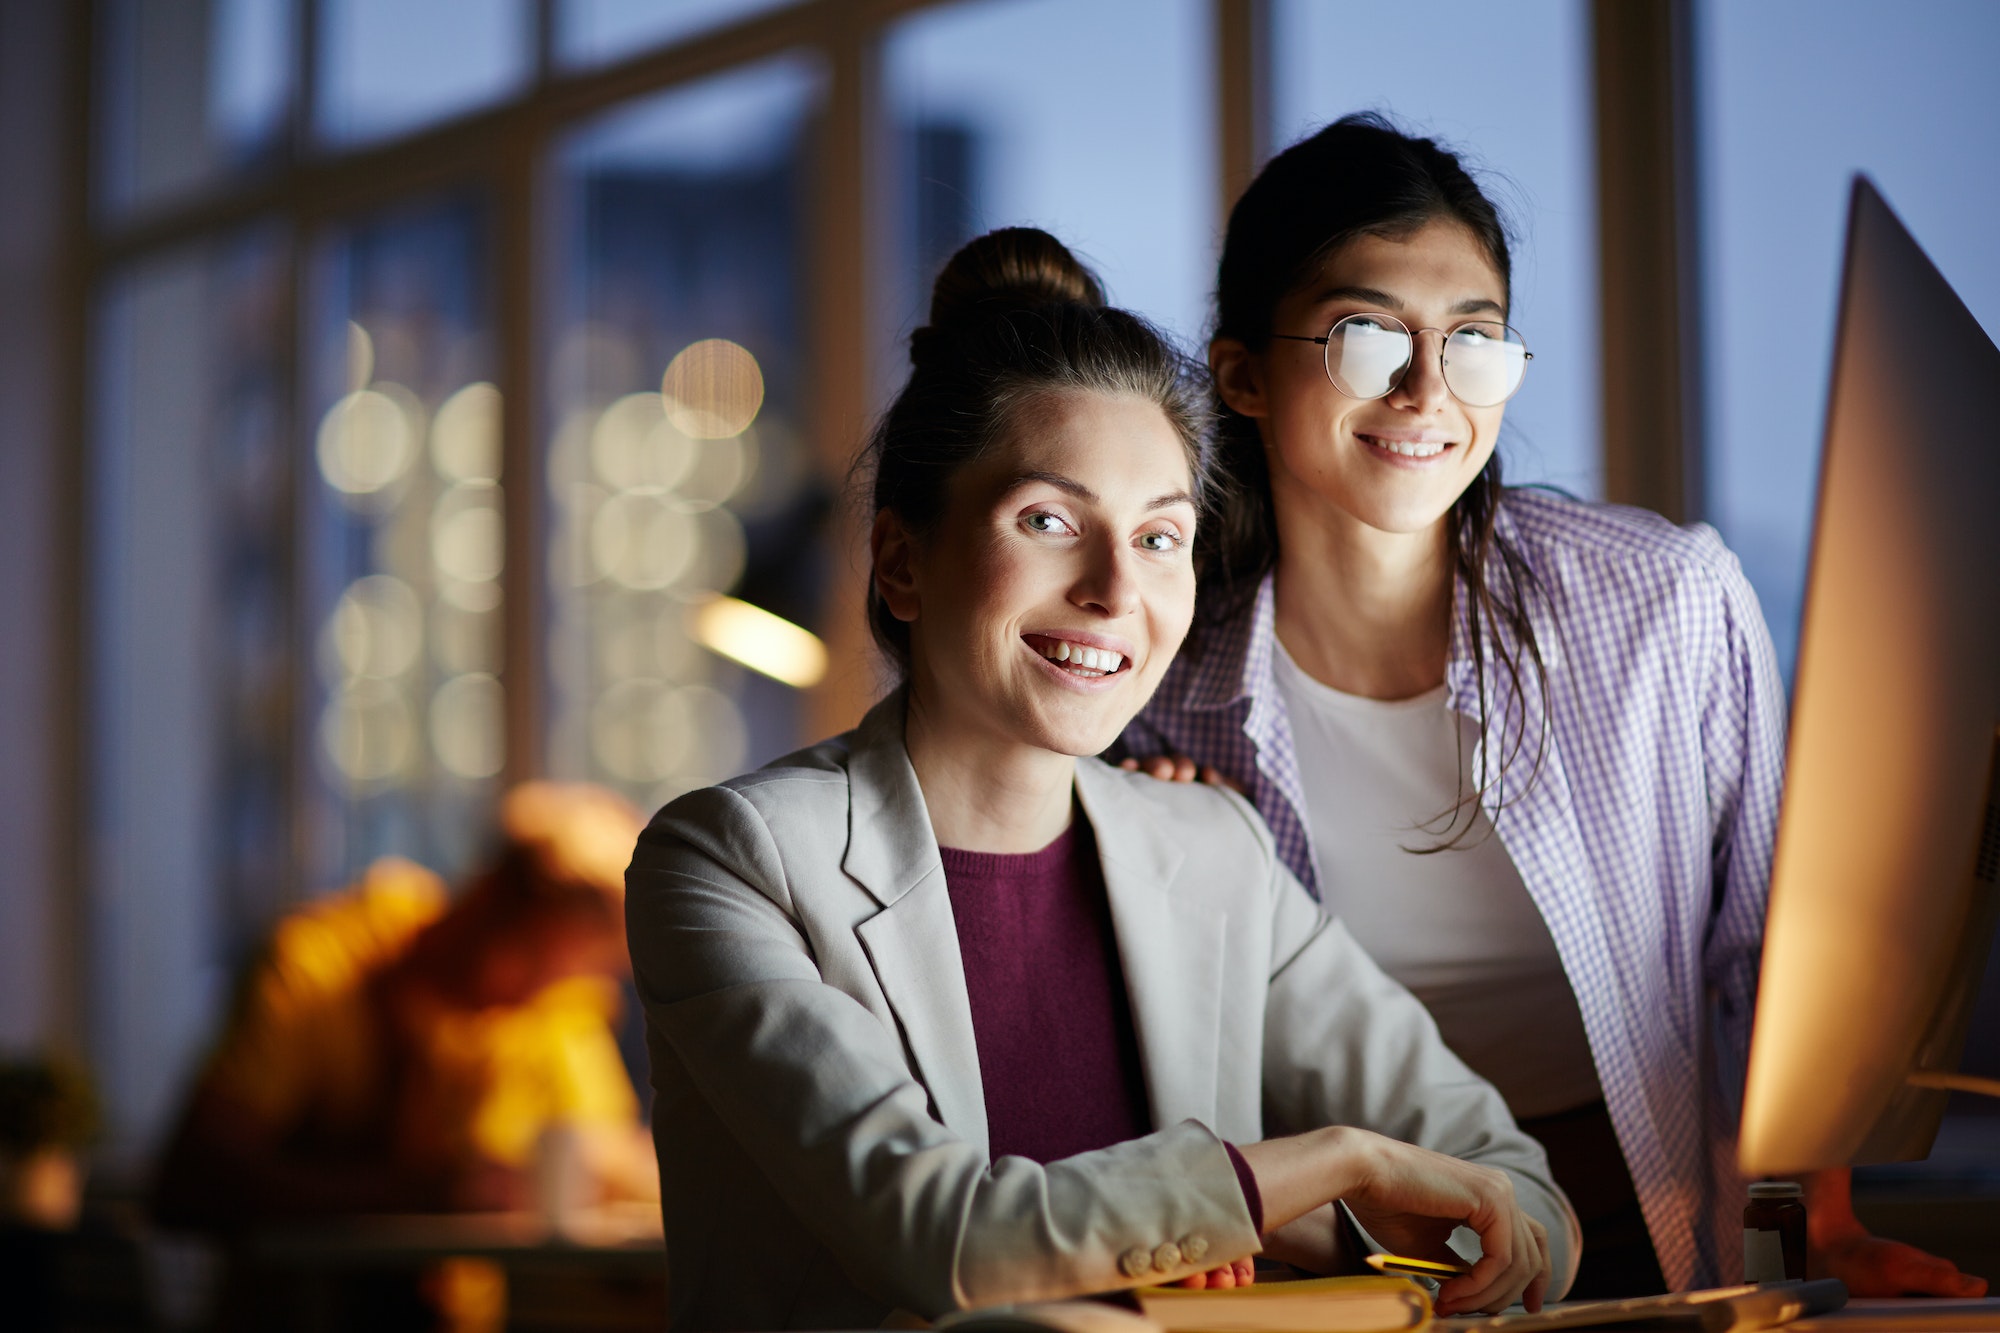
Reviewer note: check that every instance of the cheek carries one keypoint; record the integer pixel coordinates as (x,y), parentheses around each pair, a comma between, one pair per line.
(1172,609)
(1485,430)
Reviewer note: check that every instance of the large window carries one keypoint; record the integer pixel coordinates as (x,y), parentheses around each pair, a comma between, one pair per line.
(402,542)
(1010,112)
(1796,97)
(680,489)
(188,755)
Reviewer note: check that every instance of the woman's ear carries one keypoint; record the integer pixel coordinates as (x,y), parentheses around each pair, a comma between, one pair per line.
(1239,377)
(891,551)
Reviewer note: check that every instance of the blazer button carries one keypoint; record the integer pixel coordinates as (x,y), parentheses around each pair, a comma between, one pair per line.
(1167,1258)
(1135,1262)
(1194,1247)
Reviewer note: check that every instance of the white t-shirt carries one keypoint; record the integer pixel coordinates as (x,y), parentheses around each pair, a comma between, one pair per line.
(1456,927)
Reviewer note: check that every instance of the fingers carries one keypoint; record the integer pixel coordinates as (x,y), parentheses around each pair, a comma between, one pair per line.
(1215,777)
(1490,1286)
(1538,1289)
(1165,767)
(1241,1273)
(1246,1271)
(1876,1266)
(1514,1261)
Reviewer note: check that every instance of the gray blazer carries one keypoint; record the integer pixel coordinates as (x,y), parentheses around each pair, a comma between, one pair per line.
(819,1116)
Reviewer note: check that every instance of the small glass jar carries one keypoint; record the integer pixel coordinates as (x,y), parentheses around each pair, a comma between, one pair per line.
(1774,1233)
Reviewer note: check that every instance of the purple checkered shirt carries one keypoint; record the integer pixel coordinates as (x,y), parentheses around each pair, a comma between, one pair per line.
(1645,837)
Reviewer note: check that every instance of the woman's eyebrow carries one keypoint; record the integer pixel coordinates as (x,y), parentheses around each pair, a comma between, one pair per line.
(1381,300)
(1071,486)
(1068,485)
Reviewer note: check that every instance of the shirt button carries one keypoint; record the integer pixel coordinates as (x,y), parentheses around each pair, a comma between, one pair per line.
(1135,1262)
(1194,1247)
(1167,1258)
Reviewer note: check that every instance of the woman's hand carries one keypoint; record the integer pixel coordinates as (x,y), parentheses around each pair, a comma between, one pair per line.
(1410,1199)
(1241,1273)
(1868,1264)
(1180,768)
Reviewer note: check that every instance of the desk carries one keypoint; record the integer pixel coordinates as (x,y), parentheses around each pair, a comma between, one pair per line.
(1931,1316)
(606,1272)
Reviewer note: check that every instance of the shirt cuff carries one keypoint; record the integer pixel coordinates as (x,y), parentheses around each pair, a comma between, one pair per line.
(1252,1200)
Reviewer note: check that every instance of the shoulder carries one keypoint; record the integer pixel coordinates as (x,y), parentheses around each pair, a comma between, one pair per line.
(1204,821)
(807,789)
(1584,551)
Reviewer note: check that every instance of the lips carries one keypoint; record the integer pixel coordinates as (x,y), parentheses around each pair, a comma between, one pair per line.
(1078,659)
(1417,449)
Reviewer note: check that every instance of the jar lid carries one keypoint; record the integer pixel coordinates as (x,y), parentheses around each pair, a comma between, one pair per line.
(1777,1189)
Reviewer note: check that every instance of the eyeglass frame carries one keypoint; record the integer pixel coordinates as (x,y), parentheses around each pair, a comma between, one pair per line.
(1444,336)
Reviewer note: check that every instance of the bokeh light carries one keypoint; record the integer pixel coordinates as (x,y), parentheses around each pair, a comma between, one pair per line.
(713,389)
(759,640)
(468,725)
(468,535)
(376,629)
(641,729)
(717,470)
(465,435)
(360,357)
(368,732)
(649,731)
(634,446)
(368,439)
(644,542)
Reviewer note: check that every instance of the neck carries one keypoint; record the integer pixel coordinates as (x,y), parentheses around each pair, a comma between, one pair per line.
(1364,611)
(986,793)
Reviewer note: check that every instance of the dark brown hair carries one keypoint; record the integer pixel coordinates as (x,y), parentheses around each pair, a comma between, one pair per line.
(1014,317)
(1361,176)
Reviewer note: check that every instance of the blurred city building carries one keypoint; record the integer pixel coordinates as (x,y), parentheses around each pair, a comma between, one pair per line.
(403,398)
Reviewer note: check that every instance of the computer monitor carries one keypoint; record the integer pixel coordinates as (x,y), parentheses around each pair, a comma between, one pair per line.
(1883,889)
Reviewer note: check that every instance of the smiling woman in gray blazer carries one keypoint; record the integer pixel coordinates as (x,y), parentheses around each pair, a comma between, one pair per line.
(943,1013)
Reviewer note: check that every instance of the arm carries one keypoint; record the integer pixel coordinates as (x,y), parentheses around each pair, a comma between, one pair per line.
(818,1092)
(1347,1046)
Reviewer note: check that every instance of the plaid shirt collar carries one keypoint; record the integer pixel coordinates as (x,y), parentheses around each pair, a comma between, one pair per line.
(1236,666)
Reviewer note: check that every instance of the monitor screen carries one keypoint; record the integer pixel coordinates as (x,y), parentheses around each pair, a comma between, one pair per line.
(1883,886)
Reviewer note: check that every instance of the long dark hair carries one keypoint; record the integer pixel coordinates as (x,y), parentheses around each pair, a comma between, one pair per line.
(1362,176)
(1014,316)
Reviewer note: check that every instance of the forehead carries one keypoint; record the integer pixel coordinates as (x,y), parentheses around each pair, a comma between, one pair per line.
(1441,260)
(1119,445)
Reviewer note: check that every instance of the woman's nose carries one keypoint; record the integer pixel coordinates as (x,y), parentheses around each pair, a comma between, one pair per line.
(1108,581)
(1423,389)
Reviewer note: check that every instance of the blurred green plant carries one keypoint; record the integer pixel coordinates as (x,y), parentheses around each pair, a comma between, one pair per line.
(45,1103)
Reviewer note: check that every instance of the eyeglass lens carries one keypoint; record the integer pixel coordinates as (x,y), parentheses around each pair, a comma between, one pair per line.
(1367,356)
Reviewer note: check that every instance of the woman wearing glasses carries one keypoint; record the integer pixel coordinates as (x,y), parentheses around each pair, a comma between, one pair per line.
(1528,749)
(943,1014)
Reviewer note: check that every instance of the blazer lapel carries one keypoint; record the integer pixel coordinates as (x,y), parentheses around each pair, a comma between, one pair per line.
(912,943)
(1169,945)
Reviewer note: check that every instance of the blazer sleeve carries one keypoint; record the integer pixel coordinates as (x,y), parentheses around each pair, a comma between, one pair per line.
(816,1089)
(1345,1044)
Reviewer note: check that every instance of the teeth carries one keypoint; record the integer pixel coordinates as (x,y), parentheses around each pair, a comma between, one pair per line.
(1411,450)
(1101,660)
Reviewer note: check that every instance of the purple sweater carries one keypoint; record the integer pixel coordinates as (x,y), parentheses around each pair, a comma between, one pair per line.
(1058,1052)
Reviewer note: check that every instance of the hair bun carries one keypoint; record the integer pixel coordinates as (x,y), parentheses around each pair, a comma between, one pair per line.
(1010,268)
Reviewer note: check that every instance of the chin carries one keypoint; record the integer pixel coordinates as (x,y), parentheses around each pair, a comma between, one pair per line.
(1074,731)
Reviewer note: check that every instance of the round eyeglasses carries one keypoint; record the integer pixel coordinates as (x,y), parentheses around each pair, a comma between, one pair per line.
(1483,362)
